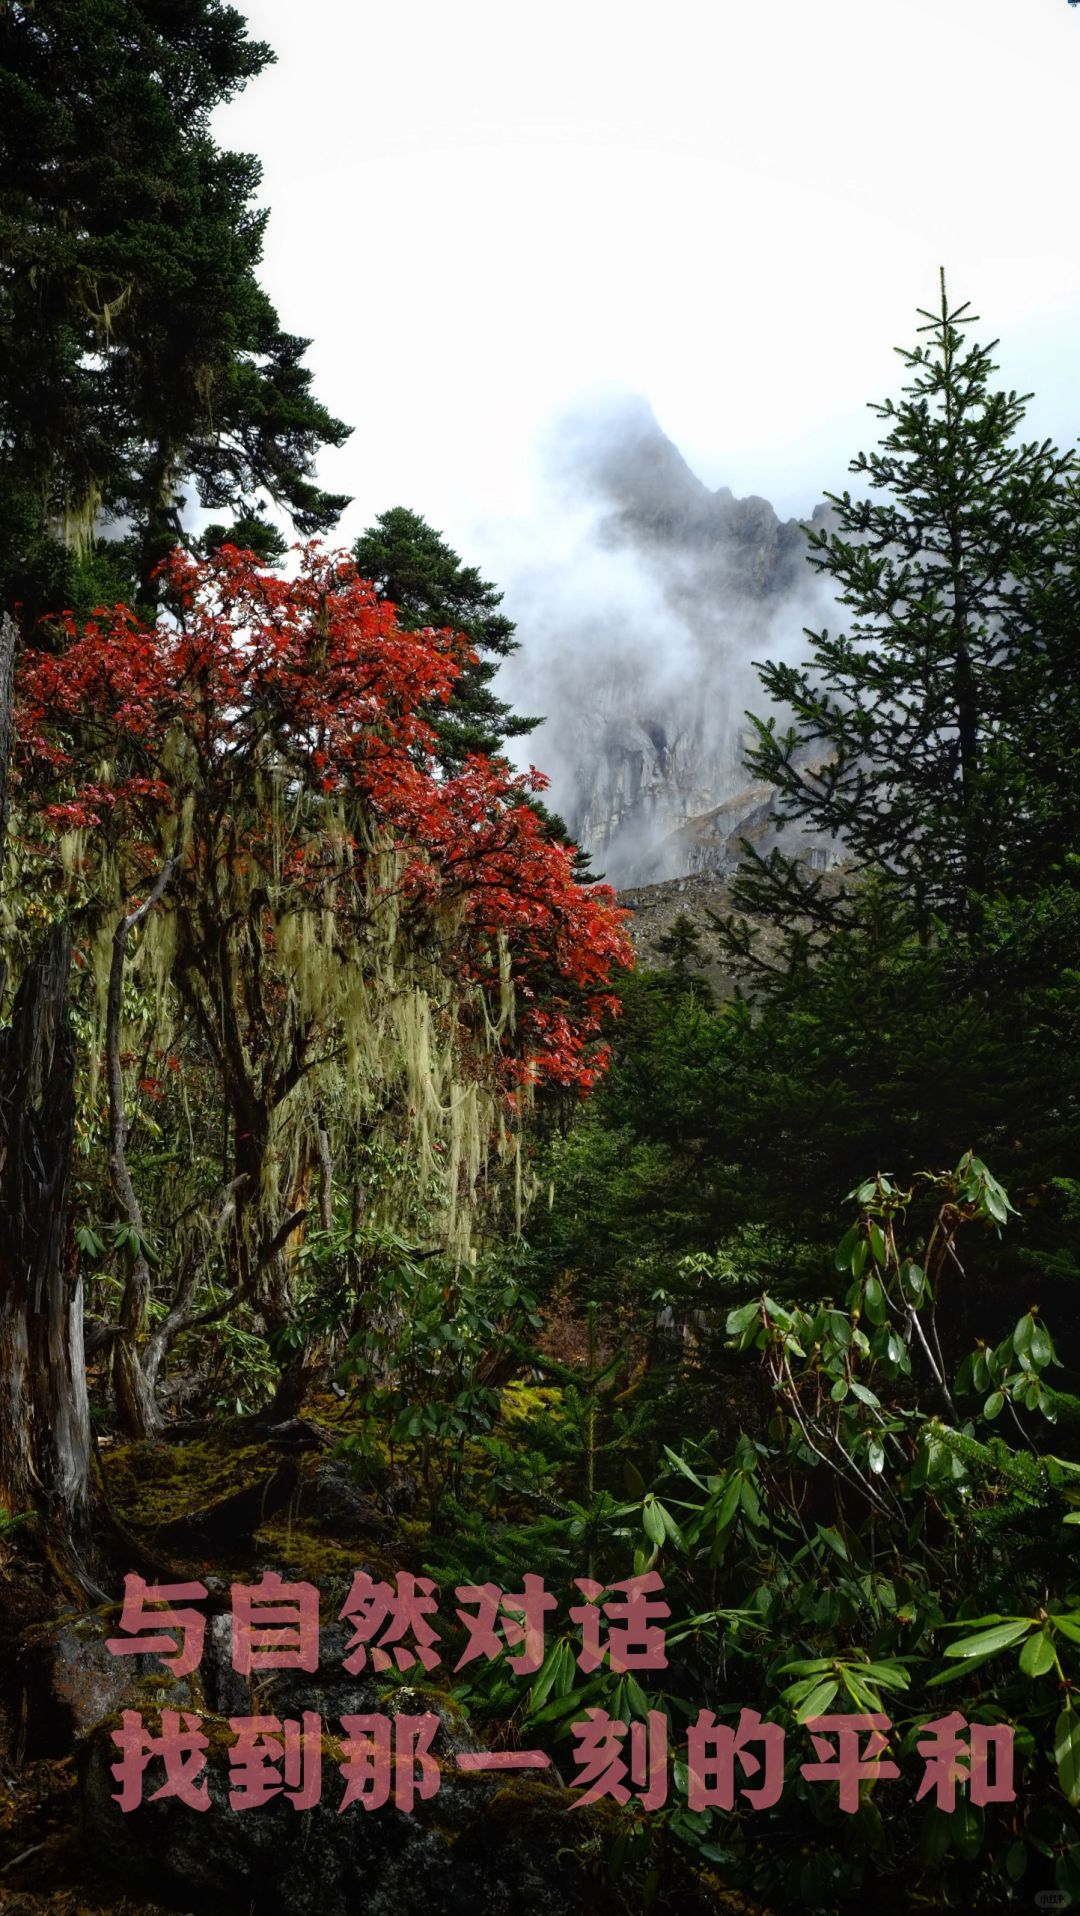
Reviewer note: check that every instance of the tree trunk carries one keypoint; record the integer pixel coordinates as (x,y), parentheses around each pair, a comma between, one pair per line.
(45,1445)
(135,1400)
(8,641)
(44,1408)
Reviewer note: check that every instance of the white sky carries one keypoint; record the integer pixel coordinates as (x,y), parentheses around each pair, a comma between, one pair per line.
(482,208)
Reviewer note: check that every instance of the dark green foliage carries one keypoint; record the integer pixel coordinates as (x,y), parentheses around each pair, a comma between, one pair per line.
(250,532)
(924,991)
(681,946)
(879,1543)
(639,1179)
(137,350)
(409,563)
(913,731)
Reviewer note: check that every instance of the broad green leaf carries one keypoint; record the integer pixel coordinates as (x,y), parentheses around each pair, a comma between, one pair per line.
(739,1320)
(874,1301)
(749,1499)
(818,1700)
(1016,1861)
(834,1541)
(671,1527)
(865,1193)
(858,1692)
(967,1830)
(959,1671)
(546,1676)
(653,1521)
(994,1405)
(729,1502)
(892,1675)
(1037,1655)
(844,1249)
(991,1641)
(636,1697)
(1042,1350)
(1067,1754)
(573,1704)
(680,1463)
(913,1279)
(934,1834)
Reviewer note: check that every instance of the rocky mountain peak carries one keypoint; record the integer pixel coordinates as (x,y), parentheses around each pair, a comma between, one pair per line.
(647,698)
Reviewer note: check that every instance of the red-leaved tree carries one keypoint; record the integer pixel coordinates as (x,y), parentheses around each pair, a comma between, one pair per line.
(247,795)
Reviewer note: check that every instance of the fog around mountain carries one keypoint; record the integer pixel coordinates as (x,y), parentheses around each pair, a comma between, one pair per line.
(642,599)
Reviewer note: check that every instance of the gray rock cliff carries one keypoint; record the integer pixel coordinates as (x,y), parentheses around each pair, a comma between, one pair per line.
(648,700)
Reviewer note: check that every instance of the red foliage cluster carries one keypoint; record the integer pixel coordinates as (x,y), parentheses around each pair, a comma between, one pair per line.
(309,681)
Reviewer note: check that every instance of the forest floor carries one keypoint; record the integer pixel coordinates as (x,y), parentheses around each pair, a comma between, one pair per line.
(223,1503)
(157,1489)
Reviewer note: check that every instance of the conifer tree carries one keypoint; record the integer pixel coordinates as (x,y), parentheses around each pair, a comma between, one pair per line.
(137,350)
(911,740)
(681,945)
(410,564)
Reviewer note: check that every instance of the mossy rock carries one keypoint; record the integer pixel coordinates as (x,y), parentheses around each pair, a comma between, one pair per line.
(153,1482)
(71,1680)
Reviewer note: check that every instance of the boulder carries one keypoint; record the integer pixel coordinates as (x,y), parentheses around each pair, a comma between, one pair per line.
(458,1853)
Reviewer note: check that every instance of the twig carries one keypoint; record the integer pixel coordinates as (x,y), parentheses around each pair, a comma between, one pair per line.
(20,1858)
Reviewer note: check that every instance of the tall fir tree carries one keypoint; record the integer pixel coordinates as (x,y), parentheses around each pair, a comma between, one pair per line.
(922,993)
(138,352)
(912,736)
(410,563)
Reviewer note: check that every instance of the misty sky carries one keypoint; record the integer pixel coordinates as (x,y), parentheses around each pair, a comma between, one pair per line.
(481,209)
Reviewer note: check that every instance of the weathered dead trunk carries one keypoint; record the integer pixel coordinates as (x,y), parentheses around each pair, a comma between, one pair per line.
(45,1448)
(44,1409)
(8,641)
(136,1404)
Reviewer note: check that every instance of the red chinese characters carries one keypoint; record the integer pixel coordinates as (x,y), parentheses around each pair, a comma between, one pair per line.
(392,1614)
(175,1635)
(636,1638)
(844,1763)
(275,1625)
(611,1755)
(180,1747)
(388,1759)
(712,1751)
(950,1760)
(520,1615)
(271,1758)
(381,1751)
